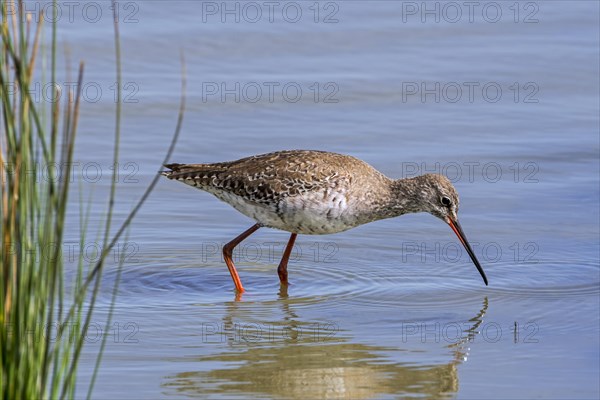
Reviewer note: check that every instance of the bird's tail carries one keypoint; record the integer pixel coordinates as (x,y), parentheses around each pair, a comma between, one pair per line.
(173,169)
(178,171)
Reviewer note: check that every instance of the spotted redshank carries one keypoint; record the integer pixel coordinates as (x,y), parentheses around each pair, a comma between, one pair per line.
(316,192)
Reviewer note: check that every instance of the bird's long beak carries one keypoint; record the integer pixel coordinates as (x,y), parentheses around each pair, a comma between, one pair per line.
(461,235)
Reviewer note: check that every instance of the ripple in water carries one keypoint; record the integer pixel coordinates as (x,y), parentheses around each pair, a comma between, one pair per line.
(341,284)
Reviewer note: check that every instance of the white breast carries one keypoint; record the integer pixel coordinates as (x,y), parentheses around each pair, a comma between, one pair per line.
(312,213)
(317,213)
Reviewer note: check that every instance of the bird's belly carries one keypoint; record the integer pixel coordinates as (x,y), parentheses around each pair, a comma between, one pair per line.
(261,213)
(317,213)
(309,214)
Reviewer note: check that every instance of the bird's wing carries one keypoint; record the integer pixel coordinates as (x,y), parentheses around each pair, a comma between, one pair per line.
(267,177)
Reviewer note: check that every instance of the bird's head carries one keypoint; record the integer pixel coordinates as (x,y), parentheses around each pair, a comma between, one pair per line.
(438,197)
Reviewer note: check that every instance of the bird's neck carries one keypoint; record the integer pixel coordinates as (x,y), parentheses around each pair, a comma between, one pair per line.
(398,197)
(406,196)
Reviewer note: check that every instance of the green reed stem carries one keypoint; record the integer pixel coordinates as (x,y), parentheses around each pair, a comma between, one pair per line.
(35,362)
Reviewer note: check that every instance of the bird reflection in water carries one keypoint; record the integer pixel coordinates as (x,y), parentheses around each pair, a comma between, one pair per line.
(300,367)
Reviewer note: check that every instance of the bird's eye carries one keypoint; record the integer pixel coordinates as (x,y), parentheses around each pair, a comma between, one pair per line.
(446,201)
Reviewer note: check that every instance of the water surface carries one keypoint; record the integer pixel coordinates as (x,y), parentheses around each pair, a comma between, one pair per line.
(392,309)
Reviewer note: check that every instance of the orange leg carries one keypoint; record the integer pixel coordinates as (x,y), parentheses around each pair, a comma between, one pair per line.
(227,252)
(282,269)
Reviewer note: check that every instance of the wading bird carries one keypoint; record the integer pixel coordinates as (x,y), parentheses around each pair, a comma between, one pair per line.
(316,192)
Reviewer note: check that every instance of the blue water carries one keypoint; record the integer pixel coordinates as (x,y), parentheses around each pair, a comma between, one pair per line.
(506,105)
